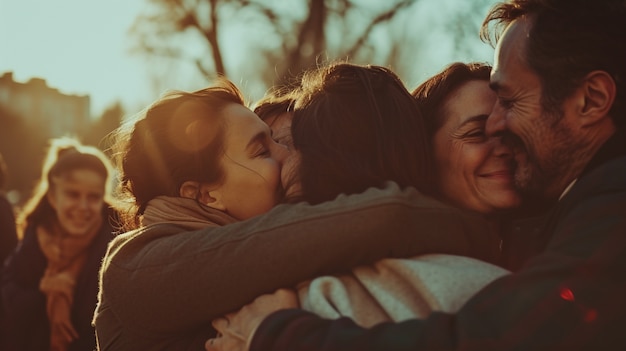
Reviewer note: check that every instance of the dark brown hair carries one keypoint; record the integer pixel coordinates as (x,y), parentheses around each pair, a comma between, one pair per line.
(357,127)
(275,103)
(170,143)
(568,39)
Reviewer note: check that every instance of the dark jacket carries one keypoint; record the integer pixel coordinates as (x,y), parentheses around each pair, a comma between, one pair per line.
(25,324)
(569,296)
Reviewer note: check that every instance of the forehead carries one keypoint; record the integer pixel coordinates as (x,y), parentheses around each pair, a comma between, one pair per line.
(509,56)
(194,125)
(473,98)
(240,117)
(81,178)
(242,124)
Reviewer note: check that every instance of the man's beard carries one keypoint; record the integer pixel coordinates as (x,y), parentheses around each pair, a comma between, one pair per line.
(526,178)
(540,177)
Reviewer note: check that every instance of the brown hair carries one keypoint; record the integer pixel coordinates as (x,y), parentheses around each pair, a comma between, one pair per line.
(275,103)
(357,127)
(64,156)
(170,143)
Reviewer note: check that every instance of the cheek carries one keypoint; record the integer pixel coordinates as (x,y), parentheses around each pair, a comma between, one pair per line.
(455,161)
(96,205)
(450,178)
(273,175)
(263,181)
(289,172)
(522,123)
(461,167)
(61,204)
(474,157)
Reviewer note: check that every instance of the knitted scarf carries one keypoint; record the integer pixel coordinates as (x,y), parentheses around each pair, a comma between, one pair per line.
(185,212)
(66,254)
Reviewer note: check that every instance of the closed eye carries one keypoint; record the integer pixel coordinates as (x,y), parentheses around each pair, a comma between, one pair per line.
(505,103)
(476,135)
(262,152)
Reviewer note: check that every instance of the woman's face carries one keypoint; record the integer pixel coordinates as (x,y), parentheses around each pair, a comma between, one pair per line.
(77,198)
(475,172)
(252,164)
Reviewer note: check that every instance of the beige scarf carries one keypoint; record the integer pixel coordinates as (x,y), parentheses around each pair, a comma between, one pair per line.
(66,255)
(186,212)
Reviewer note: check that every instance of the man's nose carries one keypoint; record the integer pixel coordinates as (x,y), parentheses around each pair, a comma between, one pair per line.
(495,122)
(500,149)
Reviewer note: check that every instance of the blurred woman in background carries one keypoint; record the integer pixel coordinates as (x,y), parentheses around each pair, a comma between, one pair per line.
(50,283)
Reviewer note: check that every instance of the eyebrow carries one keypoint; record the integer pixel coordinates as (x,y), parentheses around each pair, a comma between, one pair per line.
(257,138)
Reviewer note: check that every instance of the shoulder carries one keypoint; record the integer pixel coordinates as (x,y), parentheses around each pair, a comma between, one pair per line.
(595,205)
(127,249)
(609,175)
(606,179)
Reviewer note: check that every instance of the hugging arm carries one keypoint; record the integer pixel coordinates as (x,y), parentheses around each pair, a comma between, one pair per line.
(570,297)
(167,282)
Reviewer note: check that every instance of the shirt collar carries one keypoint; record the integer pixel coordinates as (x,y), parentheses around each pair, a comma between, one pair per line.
(569,187)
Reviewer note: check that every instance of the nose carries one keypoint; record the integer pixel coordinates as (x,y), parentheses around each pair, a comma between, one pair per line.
(500,149)
(83,203)
(495,126)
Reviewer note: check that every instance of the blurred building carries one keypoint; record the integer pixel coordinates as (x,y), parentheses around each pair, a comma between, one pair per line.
(52,112)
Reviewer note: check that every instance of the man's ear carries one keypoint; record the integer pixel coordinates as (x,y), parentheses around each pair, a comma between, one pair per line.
(598,92)
(207,194)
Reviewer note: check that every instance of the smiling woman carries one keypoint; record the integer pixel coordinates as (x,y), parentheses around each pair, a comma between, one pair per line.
(49,285)
(474,171)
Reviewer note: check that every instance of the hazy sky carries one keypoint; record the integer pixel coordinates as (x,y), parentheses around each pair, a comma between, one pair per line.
(82,47)
(77,46)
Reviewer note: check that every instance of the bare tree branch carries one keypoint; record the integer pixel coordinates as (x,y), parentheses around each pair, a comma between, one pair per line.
(383,17)
(296,40)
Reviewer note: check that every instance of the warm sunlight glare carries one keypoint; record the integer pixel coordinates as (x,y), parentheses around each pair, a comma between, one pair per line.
(77,46)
